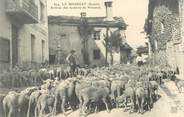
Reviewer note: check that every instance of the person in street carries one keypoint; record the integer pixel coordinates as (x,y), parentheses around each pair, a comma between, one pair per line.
(139,60)
(71,60)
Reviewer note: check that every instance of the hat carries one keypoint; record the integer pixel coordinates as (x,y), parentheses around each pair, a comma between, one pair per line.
(72,51)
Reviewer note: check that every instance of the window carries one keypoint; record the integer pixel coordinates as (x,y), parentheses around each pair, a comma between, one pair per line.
(96,35)
(43,51)
(33,38)
(4,50)
(96,54)
(52,59)
(42,12)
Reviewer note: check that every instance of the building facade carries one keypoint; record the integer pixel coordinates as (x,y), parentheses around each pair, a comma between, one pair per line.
(125,53)
(23,32)
(85,35)
(165,29)
(64,36)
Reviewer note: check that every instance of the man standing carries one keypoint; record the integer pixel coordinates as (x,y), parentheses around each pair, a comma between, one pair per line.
(139,60)
(71,60)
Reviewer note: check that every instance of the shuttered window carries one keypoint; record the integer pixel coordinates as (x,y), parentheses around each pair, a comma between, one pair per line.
(4,50)
(96,35)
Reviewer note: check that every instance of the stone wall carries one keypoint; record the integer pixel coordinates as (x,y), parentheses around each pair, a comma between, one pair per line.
(24,50)
(5,23)
(5,30)
(64,38)
(40,30)
(67,37)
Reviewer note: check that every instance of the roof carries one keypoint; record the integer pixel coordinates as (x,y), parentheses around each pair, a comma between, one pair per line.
(142,49)
(93,21)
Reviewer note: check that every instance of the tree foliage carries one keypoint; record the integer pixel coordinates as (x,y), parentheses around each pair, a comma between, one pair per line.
(164,18)
(114,40)
(85,31)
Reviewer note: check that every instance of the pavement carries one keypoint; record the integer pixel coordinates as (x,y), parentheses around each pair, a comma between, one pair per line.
(171,104)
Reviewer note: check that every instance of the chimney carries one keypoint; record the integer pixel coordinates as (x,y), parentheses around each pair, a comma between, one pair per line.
(108,5)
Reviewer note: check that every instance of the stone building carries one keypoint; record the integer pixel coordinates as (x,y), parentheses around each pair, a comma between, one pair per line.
(125,53)
(23,32)
(165,30)
(66,34)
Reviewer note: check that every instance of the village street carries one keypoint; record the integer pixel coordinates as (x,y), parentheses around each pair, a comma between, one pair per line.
(171,104)
(93,55)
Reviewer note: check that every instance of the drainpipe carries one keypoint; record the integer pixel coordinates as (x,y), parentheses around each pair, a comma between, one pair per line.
(11,48)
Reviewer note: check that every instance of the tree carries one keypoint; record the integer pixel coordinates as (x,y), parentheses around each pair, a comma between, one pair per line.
(165,28)
(113,42)
(85,30)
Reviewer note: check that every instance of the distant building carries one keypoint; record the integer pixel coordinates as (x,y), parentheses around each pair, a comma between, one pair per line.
(65,34)
(125,50)
(142,50)
(23,32)
(165,30)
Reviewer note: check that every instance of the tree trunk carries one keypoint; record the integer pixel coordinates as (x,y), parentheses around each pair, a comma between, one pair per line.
(85,53)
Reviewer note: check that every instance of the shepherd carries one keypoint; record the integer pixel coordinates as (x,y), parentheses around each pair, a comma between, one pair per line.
(71,60)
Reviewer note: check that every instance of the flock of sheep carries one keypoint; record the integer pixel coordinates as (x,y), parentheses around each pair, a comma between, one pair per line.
(31,77)
(121,86)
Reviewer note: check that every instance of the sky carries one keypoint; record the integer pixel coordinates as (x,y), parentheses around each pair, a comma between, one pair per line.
(134,13)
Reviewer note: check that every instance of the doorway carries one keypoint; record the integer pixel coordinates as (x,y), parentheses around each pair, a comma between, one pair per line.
(52,59)
(14,45)
(43,51)
(33,51)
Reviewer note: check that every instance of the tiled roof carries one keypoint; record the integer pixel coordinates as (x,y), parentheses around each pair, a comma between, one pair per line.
(94,21)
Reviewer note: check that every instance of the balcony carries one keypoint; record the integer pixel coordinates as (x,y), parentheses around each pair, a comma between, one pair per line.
(24,11)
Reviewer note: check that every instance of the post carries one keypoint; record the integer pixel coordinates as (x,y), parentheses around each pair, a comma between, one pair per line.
(11,48)
(106,44)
